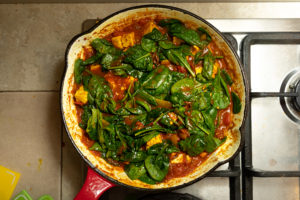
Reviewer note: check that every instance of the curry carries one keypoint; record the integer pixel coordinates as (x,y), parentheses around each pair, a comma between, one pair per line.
(154,99)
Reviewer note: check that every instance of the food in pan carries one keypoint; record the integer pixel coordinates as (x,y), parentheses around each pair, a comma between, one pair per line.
(155,98)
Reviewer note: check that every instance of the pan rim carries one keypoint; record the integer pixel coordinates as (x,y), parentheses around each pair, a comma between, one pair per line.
(242,125)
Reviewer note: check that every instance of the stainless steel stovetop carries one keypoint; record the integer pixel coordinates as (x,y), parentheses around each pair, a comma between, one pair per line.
(269,166)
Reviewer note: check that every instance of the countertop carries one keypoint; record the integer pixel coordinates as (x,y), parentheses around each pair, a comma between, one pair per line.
(33,38)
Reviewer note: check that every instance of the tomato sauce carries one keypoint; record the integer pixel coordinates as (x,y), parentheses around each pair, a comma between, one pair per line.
(120,85)
(186,167)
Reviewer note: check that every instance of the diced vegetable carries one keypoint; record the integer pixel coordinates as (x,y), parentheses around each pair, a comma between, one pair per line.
(151,96)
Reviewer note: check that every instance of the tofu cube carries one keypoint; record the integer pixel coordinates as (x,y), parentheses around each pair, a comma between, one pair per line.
(215,69)
(149,27)
(195,49)
(181,158)
(157,139)
(117,42)
(81,95)
(198,70)
(95,67)
(128,39)
(177,41)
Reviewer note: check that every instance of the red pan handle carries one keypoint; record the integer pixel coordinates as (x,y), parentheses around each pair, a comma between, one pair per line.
(93,187)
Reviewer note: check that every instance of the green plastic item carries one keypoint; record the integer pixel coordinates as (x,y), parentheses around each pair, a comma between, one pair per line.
(45,197)
(23,195)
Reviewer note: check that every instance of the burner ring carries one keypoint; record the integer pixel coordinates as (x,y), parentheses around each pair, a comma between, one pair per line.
(291,105)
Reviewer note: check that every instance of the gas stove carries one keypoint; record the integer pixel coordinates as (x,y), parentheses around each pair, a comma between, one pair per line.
(269,165)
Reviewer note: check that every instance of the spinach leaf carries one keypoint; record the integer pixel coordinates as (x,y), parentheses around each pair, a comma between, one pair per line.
(193,145)
(226,77)
(87,113)
(107,60)
(166,44)
(178,55)
(92,125)
(96,147)
(167,22)
(78,69)
(237,105)
(208,66)
(210,117)
(135,170)
(139,58)
(105,47)
(128,69)
(155,35)
(158,81)
(144,104)
(134,156)
(157,166)
(204,31)
(183,86)
(220,100)
(92,59)
(202,101)
(177,29)
(146,96)
(148,45)
(147,179)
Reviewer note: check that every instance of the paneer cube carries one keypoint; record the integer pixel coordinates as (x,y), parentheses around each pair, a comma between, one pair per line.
(177,41)
(165,62)
(117,42)
(81,95)
(198,70)
(181,158)
(87,51)
(173,117)
(215,70)
(195,49)
(128,39)
(95,67)
(157,139)
(149,27)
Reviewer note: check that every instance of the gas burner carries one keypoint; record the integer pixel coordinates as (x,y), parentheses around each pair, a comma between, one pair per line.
(291,86)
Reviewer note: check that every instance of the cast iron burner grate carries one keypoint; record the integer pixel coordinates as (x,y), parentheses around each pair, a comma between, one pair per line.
(241,176)
(291,95)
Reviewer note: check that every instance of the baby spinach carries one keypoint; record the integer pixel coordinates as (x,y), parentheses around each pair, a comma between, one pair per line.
(226,77)
(92,125)
(166,44)
(204,31)
(96,147)
(87,113)
(148,45)
(134,156)
(92,59)
(237,105)
(177,29)
(78,69)
(135,170)
(208,65)
(193,145)
(220,100)
(157,166)
(147,179)
(105,47)
(128,69)
(210,117)
(155,35)
(178,55)
(139,58)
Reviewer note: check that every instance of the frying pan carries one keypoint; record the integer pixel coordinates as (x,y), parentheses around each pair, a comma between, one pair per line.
(101,175)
